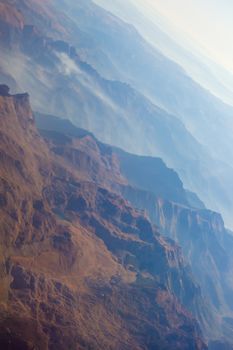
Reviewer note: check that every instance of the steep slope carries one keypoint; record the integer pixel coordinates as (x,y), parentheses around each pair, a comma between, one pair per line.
(73,254)
(140,171)
(149,185)
(61,83)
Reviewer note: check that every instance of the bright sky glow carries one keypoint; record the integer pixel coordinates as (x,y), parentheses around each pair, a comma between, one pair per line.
(208,22)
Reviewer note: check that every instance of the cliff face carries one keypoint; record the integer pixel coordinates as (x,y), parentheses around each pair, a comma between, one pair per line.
(205,242)
(80,268)
(61,204)
(152,174)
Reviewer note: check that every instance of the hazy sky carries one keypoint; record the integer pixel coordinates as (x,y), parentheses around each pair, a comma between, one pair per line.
(208,22)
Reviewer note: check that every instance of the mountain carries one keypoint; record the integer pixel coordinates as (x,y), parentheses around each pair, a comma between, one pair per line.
(102,247)
(176,45)
(43,61)
(140,171)
(160,79)
(152,187)
(73,253)
(167,85)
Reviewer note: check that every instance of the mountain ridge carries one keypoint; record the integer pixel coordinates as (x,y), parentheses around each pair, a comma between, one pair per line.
(58,76)
(62,239)
(200,232)
(85,225)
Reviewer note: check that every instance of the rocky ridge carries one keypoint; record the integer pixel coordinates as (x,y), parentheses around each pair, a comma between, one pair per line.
(150,186)
(73,254)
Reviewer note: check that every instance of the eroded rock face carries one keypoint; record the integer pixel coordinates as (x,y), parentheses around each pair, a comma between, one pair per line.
(202,236)
(200,232)
(79,267)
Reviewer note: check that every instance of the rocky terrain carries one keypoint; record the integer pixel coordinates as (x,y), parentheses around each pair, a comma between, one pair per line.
(99,247)
(73,253)
(149,185)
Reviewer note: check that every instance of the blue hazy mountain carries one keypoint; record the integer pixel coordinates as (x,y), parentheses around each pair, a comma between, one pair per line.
(105,77)
(176,45)
(128,57)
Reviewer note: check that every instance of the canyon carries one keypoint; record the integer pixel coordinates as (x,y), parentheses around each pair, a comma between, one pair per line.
(110,189)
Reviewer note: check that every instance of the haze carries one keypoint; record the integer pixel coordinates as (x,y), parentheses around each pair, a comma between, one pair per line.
(208,23)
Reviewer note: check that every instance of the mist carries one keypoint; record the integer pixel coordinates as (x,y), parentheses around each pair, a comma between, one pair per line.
(168,30)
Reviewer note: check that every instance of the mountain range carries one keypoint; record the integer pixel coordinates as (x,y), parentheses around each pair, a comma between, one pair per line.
(111,184)
(61,63)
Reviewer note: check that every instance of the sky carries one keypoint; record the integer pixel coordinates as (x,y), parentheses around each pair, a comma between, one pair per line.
(209,23)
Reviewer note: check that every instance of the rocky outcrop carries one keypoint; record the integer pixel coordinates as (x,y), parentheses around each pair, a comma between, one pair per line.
(50,175)
(73,253)
(200,232)
(152,175)
(202,236)
(206,244)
